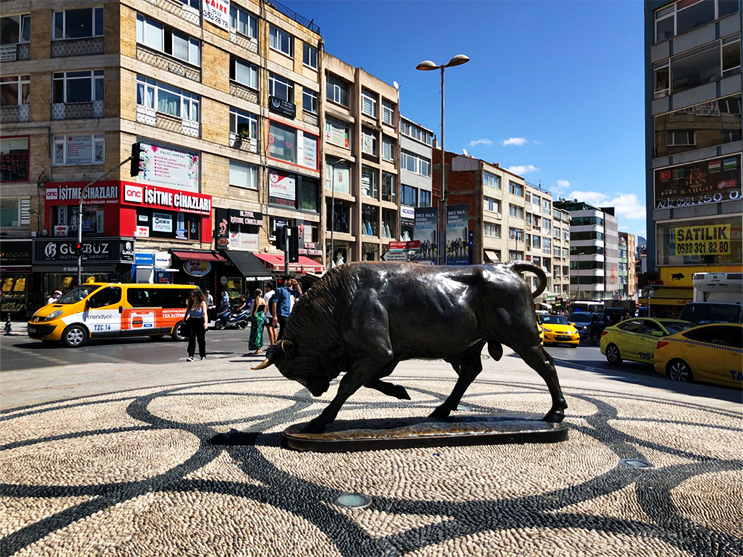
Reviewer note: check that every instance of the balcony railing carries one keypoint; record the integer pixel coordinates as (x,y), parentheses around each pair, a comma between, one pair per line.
(13,52)
(242,92)
(151,117)
(248,144)
(179,9)
(13,114)
(167,63)
(77,111)
(309,24)
(311,119)
(77,47)
(247,43)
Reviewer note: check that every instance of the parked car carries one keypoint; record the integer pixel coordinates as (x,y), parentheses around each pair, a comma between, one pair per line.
(581,320)
(709,353)
(557,330)
(702,313)
(635,339)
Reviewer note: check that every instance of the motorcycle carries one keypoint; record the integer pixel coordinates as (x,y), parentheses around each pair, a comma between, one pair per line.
(228,318)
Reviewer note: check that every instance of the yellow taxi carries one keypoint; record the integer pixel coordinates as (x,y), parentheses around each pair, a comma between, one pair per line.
(558,330)
(708,353)
(635,339)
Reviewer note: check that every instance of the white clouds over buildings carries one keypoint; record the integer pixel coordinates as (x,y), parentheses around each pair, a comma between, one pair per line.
(626,205)
(522,169)
(518,141)
(483,141)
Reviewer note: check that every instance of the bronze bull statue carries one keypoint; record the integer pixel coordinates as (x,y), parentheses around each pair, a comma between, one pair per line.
(364,318)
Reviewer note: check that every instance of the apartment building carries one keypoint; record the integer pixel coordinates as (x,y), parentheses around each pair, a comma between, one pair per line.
(627,277)
(594,251)
(416,145)
(360,146)
(223,100)
(694,148)
(508,218)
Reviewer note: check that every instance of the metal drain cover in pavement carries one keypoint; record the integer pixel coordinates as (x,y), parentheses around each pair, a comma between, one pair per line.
(635,463)
(353,501)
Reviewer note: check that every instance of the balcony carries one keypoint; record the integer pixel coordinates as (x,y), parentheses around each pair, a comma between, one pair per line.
(14,52)
(77,111)
(247,144)
(247,43)
(14,114)
(243,92)
(164,62)
(77,47)
(151,117)
(311,119)
(179,9)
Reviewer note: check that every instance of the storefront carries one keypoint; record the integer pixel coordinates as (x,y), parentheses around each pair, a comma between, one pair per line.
(16,279)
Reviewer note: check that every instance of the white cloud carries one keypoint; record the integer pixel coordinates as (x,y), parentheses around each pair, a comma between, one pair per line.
(483,141)
(522,169)
(626,205)
(518,141)
(562,185)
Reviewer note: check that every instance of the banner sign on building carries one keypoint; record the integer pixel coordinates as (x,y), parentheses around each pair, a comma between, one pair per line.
(68,193)
(217,12)
(164,198)
(711,181)
(282,188)
(457,244)
(703,240)
(100,250)
(426,232)
(169,168)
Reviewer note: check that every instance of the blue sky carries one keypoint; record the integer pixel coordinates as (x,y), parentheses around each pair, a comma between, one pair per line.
(553,90)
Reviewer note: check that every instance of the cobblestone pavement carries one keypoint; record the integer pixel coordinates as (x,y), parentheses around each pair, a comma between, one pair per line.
(108,460)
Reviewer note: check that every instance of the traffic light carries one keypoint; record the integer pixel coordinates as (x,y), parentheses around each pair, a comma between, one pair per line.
(78,250)
(280,234)
(293,241)
(136,162)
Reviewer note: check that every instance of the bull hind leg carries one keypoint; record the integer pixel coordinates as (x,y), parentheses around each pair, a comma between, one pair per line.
(539,360)
(468,368)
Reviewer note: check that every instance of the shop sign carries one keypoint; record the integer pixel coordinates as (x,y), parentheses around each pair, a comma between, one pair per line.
(711,181)
(68,193)
(147,259)
(101,250)
(61,230)
(280,106)
(162,260)
(253,218)
(407,213)
(217,12)
(197,267)
(169,167)
(142,231)
(164,198)
(15,252)
(311,249)
(281,188)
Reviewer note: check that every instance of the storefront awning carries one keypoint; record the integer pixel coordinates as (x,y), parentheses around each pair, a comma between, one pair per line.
(249,265)
(199,256)
(305,265)
(491,256)
(672,296)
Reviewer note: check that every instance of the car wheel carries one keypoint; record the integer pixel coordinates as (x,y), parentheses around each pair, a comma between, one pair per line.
(678,370)
(612,355)
(74,336)
(156,337)
(179,332)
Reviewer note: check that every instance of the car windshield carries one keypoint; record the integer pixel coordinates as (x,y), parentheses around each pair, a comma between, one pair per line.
(554,320)
(581,317)
(676,326)
(78,293)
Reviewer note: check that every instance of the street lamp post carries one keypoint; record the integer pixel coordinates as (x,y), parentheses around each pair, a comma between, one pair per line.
(427,65)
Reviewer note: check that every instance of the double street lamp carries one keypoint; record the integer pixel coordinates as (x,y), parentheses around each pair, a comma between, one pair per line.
(425,66)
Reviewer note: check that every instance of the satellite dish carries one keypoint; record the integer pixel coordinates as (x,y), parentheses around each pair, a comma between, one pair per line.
(396,85)
(466,154)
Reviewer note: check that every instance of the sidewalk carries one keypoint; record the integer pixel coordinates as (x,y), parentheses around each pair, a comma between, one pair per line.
(107,459)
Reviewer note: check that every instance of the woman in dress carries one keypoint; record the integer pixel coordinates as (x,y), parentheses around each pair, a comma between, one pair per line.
(257,316)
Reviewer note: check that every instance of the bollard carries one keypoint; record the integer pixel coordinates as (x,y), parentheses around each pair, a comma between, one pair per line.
(7,324)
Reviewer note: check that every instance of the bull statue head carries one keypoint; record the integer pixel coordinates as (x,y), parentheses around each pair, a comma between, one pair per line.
(303,369)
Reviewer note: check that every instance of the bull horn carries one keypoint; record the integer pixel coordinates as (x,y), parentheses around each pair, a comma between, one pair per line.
(270,359)
(287,347)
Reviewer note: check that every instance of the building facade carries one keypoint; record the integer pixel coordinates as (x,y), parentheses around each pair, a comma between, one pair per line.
(693,138)
(594,251)
(416,145)
(627,277)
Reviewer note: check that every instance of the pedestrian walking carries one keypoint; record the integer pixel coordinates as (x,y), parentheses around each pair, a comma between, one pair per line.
(268,321)
(281,304)
(257,316)
(210,307)
(196,319)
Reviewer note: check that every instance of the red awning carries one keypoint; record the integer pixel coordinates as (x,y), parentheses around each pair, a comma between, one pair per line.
(305,264)
(199,256)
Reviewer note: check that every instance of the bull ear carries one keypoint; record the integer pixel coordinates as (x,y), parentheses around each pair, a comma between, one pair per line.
(288,347)
(272,356)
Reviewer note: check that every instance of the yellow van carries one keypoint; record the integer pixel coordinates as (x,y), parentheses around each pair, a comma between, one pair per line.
(111,310)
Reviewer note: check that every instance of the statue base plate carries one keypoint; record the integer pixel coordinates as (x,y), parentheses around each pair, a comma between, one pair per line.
(403,433)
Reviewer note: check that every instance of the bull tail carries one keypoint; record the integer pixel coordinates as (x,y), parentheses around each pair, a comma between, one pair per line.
(521,266)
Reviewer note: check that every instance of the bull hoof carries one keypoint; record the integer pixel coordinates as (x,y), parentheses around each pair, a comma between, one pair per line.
(440,412)
(401,393)
(314,426)
(554,416)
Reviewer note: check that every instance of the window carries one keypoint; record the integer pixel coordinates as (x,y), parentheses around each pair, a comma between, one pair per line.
(389,189)
(191,3)
(546,225)
(517,189)
(369,182)
(546,209)
(292,145)
(10,214)
(336,90)
(309,101)
(243,22)
(516,234)
(686,15)
(491,229)
(731,56)
(388,112)
(491,180)
(414,163)
(546,245)
(243,175)
(14,152)
(681,137)
(15,29)
(166,99)
(280,40)
(15,90)
(106,297)
(693,14)
(79,149)
(78,24)
(280,87)
(416,132)
(164,38)
(516,211)
(243,72)
(491,204)
(409,195)
(78,87)
(337,132)
(424,198)
(515,255)
(368,142)
(368,103)
(338,176)
(389,222)
(243,124)
(536,241)
(388,148)
(369,220)
(528,242)
(310,56)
